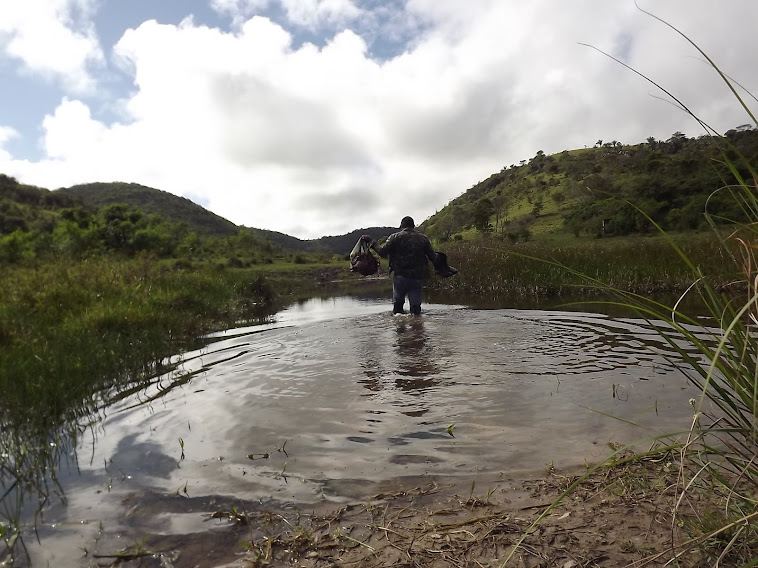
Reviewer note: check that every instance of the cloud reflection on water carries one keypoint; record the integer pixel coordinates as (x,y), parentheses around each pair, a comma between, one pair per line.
(363,397)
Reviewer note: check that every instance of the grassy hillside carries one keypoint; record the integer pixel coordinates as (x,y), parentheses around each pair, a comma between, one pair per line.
(340,244)
(180,209)
(152,201)
(343,244)
(126,216)
(26,207)
(584,192)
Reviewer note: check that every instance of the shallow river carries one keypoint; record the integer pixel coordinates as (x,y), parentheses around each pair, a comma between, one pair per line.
(337,398)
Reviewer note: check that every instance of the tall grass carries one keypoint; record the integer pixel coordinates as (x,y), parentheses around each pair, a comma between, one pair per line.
(718,458)
(643,265)
(70,333)
(65,328)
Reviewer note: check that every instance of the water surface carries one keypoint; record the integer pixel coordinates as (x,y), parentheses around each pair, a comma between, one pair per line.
(337,397)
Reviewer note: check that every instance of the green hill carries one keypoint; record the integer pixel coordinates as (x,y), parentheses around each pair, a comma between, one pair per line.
(152,201)
(31,208)
(343,244)
(27,207)
(588,191)
(180,209)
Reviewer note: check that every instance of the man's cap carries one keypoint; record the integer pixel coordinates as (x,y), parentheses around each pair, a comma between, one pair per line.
(407,222)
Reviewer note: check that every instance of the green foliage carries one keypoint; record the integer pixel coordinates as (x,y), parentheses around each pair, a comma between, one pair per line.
(151,201)
(587,190)
(26,208)
(483,210)
(519,228)
(102,318)
(515,270)
(77,335)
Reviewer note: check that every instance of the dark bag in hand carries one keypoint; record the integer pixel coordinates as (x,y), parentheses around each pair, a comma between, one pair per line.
(362,259)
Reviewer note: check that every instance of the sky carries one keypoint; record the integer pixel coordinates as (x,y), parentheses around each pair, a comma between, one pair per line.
(318,117)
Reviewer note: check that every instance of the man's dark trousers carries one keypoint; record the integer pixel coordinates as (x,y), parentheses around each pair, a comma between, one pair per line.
(402,287)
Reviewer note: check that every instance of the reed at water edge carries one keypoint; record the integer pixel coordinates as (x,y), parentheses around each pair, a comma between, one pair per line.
(717,457)
(642,265)
(75,334)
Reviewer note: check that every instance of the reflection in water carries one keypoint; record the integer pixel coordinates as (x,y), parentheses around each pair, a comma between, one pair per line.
(413,369)
(415,354)
(360,396)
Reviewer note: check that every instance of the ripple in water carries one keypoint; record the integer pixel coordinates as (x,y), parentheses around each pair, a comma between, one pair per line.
(341,391)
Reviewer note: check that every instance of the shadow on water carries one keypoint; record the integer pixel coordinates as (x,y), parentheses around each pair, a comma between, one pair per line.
(331,397)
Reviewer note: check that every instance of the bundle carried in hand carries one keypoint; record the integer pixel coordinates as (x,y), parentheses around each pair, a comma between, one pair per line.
(362,260)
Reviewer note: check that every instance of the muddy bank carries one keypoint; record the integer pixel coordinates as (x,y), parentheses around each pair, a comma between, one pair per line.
(618,516)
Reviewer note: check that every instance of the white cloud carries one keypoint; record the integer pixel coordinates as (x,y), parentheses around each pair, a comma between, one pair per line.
(239,10)
(53,38)
(309,14)
(70,117)
(313,140)
(313,14)
(238,6)
(6,133)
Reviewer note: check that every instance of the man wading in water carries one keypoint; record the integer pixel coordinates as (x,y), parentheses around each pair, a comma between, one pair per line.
(409,252)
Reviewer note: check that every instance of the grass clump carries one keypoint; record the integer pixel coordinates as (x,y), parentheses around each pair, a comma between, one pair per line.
(71,329)
(73,334)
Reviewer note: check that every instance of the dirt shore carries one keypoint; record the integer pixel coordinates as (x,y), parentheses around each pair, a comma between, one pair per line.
(615,517)
(618,517)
